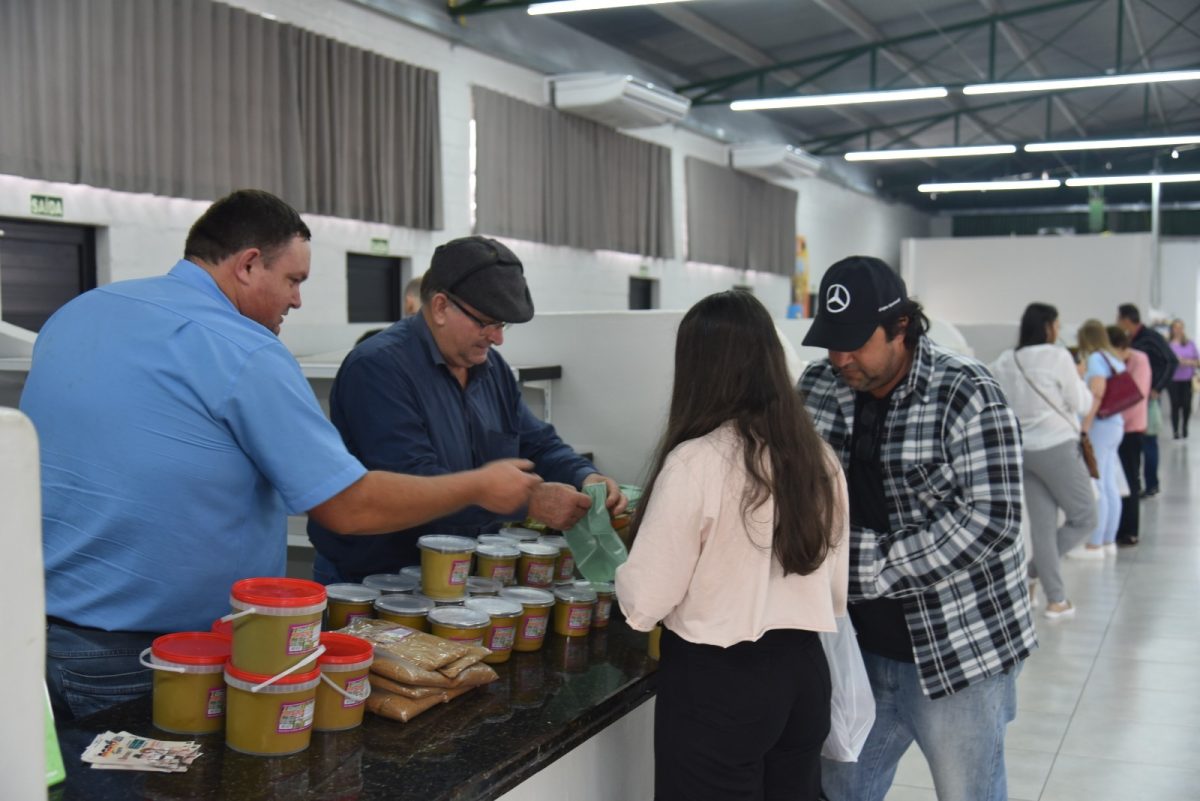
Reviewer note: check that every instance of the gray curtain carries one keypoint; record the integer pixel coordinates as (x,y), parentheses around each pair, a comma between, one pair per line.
(738,220)
(192,98)
(550,177)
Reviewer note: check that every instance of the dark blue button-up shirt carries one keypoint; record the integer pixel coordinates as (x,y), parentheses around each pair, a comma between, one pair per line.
(399,408)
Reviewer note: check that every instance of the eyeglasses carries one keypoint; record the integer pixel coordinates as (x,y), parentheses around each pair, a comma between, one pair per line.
(483,326)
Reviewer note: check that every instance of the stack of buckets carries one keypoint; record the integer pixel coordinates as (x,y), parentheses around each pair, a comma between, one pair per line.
(276,680)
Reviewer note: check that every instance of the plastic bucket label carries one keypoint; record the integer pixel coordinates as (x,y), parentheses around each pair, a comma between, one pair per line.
(295,716)
(356,687)
(459,570)
(580,617)
(566,569)
(540,574)
(501,638)
(303,637)
(215,706)
(535,627)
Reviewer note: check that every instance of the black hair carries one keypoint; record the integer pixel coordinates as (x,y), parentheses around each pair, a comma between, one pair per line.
(730,367)
(1130,312)
(247,218)
(907,317)
(1034,322)
(1117,336)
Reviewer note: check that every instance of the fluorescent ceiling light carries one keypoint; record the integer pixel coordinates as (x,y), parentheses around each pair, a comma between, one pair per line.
(1115,180)
(564,6)
(849,98)
(1109,144)
(930,153)
(1055,84)
(987,186)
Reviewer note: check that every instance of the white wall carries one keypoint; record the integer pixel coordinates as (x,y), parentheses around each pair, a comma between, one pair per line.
(1181,281)
(992,279)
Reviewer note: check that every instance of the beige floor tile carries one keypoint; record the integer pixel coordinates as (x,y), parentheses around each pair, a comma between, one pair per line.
(1126,741)
(1074,778)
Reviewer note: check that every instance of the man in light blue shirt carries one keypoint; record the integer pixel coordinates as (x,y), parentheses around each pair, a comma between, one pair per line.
(177,433)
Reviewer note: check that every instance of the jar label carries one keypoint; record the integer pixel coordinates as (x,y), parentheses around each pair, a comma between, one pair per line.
(539,574)
(603,610)
(303,637)
(502,638)
(567,569)
(459,569)
(535,628)
(357,688)
(579,618)
(296,716)
(215,706)
(353,616)
(503,573)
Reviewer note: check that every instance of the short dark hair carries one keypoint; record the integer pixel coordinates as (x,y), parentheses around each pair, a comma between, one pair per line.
(1117,336)
(1034,321)
(247,218)
(918,323)
(1129,312)
(413,288)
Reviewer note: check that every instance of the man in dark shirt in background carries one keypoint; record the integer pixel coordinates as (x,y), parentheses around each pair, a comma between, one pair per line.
(1163,362)
(431,394)
(932,454)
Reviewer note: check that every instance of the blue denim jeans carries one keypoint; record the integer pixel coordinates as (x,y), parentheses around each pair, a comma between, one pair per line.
(324,571)
(87,670)
(961,736)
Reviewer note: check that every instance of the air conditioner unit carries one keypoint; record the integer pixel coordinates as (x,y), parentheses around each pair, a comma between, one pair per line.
(774,162)
(619,101)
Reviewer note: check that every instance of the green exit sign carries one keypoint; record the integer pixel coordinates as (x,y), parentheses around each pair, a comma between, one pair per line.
(379,247)
(46,205)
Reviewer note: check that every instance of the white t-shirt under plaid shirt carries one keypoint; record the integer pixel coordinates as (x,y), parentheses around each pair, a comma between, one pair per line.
(951,455)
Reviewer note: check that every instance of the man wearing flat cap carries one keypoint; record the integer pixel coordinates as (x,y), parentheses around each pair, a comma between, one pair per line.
(932,454)
(429,395)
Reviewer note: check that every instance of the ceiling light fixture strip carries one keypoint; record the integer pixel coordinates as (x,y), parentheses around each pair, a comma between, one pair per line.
(987,186)
(566,6)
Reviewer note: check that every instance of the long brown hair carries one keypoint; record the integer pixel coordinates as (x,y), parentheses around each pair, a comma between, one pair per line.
(730,367)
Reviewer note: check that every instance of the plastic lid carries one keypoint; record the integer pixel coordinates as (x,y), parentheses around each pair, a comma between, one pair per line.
(527,596)
(404,605)
(554,539)
(441,601)
(539,549)
(192,648)
(278,592)
(223,628)
(391,583)
(351,593)
(479,585)
(493,539)
(518,533)
(601,587)
(412,570)
(505,550)
(495,607)
(574,594)
(342,649)
(259,678)
(459,617)
(446,543)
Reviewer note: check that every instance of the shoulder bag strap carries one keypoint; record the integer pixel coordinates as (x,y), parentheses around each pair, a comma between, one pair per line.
(1050,403)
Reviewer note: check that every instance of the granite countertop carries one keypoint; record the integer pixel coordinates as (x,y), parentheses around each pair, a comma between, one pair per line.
(476,747)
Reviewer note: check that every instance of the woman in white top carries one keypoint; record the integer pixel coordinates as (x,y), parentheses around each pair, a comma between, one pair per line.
(740,549)
(1048,396)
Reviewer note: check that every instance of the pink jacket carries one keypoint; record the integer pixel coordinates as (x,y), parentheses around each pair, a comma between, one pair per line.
(1138,365)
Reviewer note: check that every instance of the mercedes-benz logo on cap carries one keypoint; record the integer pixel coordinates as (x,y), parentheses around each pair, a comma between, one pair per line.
(837,299)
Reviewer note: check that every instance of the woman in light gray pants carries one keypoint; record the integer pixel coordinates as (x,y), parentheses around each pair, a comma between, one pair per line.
(1047,394)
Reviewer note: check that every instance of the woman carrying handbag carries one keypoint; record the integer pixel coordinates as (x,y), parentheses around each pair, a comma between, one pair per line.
(1048,396)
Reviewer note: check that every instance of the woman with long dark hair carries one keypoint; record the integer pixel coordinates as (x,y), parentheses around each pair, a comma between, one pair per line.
(740,550)
(1048,395)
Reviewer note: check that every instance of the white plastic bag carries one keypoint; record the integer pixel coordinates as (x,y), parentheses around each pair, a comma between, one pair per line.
(852,706)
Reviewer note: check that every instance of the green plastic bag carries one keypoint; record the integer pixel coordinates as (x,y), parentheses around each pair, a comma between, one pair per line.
(597,549)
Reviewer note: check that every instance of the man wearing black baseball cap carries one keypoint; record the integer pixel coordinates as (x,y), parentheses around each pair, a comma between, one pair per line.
(932,454)
(430,394)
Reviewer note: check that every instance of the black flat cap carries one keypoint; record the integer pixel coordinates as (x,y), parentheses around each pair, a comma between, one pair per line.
(485,274)
(857,295)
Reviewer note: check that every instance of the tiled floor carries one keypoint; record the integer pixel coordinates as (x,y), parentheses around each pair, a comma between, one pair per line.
(1109,706)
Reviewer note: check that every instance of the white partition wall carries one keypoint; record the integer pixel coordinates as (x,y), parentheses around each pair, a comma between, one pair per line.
(992,279)
(22,670)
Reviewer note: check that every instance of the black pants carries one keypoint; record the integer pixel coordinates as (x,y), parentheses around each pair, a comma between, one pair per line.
(1181,406)
(1130,453)
(744,722)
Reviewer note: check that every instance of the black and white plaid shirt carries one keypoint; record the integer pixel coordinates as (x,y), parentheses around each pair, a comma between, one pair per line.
(951,454)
